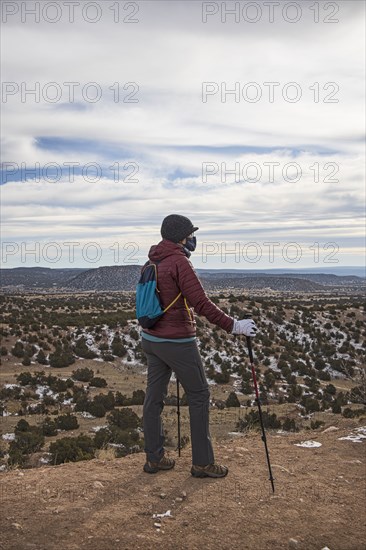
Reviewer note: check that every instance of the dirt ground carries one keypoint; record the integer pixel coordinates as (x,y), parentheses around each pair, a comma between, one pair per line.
(109,504)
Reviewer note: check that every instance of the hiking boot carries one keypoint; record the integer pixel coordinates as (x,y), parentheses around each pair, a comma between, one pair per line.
(210,470)
(163,464)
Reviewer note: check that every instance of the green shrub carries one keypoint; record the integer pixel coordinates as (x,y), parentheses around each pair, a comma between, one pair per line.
(49,427)
(98,382)
(124,419)
(67,422)
(83,375)
(72,449)
(232,400)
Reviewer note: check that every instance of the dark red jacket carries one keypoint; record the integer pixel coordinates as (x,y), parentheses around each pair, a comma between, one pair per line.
(175,274)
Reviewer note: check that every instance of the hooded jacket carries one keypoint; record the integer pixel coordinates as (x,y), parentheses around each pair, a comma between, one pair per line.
(175,274)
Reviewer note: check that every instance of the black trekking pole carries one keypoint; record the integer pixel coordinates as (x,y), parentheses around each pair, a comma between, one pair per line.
(264,439)
(178,416)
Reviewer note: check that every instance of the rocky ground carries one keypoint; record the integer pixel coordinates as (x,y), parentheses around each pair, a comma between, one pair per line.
(110,504)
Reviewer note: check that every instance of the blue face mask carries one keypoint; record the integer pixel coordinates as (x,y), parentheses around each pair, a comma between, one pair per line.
(191,244)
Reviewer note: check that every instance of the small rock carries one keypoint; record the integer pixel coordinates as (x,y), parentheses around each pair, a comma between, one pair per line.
(162,495)
(98,485)
(185,523)
(293,543)
(330,429)
(184,495)
(178,499)
(157,525)
(17,526)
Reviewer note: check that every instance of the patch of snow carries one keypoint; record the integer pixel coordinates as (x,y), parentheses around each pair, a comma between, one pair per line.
(97,428)
(9,436)
(167,514)
(12,386)
(41,391)
(308,444)
(85,414)
(357,436)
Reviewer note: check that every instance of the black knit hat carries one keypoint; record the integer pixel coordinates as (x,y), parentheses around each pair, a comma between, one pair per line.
(176,228)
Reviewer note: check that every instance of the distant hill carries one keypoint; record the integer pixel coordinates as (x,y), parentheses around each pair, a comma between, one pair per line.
(125,277)
(115,277)
(261,282)
(37,277)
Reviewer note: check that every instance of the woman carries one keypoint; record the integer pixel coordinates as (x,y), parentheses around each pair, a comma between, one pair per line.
(170,345)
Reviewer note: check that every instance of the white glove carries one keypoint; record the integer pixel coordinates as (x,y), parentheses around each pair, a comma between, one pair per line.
(245,326)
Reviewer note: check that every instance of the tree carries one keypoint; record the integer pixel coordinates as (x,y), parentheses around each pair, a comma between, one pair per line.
(49,427)
(18,349)
(98,382)
(83,375)
(62,356)
(124,419)
(138,397)
(81,349)
(117,347)
(232,400)
(67,422)
(41,357)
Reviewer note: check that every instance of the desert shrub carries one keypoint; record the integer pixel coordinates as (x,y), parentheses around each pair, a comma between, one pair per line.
(98,382)
(315,424)
(62,357)
(28,439)
(118,347)
(49,427)
(353,413)
(81,349)
(252,420)
(72,449)
(18,349)
(124,419)
(41,358)
(289,425)
(138,397)
(67,422)
(232,400)
(83,374)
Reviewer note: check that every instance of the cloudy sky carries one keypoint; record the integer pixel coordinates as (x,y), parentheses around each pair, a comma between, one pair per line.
(249,123)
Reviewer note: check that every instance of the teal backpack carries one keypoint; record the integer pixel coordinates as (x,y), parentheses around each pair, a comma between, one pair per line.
(148,304)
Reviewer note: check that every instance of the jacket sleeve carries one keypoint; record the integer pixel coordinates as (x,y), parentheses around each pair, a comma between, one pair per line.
(193,291)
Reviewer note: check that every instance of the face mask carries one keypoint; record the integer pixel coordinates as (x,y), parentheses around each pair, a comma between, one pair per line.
(191,244)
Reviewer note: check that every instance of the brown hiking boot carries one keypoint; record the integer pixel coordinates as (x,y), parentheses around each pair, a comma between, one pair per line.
(163,464)
(210,470)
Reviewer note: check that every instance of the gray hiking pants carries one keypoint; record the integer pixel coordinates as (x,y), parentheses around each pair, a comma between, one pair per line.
(185,361)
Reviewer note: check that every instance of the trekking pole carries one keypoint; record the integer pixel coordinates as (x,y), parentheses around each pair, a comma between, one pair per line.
(264,439)
(178,416)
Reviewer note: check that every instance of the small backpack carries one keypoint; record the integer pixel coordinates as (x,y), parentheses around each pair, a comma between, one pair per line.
(148,304)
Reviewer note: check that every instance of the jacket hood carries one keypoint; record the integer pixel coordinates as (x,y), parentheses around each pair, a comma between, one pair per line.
(164,249)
